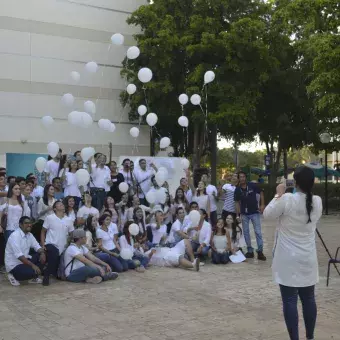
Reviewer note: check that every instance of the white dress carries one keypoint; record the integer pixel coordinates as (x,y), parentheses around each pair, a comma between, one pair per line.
(295,262)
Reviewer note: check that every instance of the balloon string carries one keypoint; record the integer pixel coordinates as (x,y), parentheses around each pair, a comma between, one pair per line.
(145,98)
(155,129)
(102,76)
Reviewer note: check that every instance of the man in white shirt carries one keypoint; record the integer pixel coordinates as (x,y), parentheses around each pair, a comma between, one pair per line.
(52,168)
(20,265)
(81,265)
(177,229)
(3,189)
(86,210)
(54,236)
(127,172)
(228,191)
(100,181)
(143,179)
(200,235)
(213,197)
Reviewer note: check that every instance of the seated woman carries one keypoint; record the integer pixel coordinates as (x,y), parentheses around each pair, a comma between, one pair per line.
(91,226)
(175,257)
(109,204)
(109,248)
(220,244)
(129,242)
(236,234)
(159,230)
(138,218)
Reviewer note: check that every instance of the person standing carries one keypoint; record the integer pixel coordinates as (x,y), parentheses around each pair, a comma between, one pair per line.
(295,263)
(116,179)
(247,207)
(213,197)
(54,236)
(52,168)
(228,191)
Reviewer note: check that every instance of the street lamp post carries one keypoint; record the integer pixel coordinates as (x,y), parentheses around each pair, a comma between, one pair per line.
(325,139)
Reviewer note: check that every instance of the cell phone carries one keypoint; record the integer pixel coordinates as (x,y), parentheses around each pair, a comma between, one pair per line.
(289,183)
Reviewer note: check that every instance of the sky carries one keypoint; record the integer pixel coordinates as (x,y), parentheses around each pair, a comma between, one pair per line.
(252,147)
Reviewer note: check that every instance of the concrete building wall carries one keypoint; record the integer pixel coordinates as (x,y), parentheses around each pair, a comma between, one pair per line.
(41,42)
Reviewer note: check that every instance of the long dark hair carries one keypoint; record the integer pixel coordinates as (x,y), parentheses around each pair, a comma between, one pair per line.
(199,192)
(88,227)
(126,232)
(103,218)
(45,196)
(184,199)
(10,192)
(66,203)
(136,220)
(204,213)
(62,162)
(304,178)
(223,229)
(235,228)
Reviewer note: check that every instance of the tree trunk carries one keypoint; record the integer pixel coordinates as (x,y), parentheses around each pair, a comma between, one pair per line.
(196,153)
(275,165)
(285,164)
(213,155)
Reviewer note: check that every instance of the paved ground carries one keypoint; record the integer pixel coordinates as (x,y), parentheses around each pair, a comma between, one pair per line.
(220,302)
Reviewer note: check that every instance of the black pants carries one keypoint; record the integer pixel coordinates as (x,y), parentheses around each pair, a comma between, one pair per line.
(213,219)
(226,213)
(24,272)
(98,198)
(52,255)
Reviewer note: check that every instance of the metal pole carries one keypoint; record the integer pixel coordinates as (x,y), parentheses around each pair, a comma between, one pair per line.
(326,183)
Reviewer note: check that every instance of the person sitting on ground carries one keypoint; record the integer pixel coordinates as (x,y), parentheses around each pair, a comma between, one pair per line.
(70,208)
(91,226)
(200,235)
(136,204)
(158,229)
(180,201)
(81,265)
(109,204)
(220,244)
(138,218)
(175,257)
(236,234)
(177,229)
(20,265)
(86,210)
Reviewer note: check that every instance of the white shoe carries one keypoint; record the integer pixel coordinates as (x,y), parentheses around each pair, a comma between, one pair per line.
(140,269)
(12,280)
(94,280)
(202,264)
(37,280)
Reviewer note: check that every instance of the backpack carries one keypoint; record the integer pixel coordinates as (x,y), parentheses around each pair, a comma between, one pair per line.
(61,269)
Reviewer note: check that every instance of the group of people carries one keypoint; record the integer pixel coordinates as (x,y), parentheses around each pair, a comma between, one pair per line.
(82,233)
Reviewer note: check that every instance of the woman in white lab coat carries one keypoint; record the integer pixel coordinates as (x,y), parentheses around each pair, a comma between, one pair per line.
(295,263)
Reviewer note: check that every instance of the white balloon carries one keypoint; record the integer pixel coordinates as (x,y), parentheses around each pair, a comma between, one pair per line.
(195,99)
(74,118)
(194,217)
(112,127)
(165,170)
(164,143)
(133,52)
(117,39)
(151,119)
(160,178)
(183,121)
(142,110)
(87,153)
(47,121)
(40,164)
(126,253)
(67,99)
(90,107)
(185,163)
(105,124)
(131,89)
(209,76)
(91,67)
(134,229)
(82,177)
(123,187)
(183,99)
(86,120)
(75,76)
(161,196)
(145,75)
(151,197)
(134,132)
(52,149)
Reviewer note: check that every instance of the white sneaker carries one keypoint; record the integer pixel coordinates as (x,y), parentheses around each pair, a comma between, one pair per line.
(202,264)
(37,280)
(12,280)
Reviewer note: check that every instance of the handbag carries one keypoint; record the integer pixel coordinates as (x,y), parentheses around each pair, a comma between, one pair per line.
(4,218)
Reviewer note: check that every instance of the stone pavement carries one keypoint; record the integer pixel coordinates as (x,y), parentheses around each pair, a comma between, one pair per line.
(220,302)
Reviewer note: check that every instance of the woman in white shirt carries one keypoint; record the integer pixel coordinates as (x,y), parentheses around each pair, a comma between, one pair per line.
(295,263)
(158,229)
(14,207)
(236,234)
(109,204)
(69,181)
(180,201)
(220,244)
(201,197)
(70,208)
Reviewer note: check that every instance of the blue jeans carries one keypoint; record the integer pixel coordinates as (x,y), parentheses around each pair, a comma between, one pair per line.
(289,298)
(98,198)
(144,260)
(53,258)
(256,221)
(24,272)
(81,274)
(112,261)
(219,258)
(195,245)
(126,264)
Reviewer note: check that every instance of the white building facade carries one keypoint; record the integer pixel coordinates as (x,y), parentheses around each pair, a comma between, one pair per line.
(41,43)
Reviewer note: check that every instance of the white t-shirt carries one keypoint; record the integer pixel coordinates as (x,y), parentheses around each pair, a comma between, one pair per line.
(158,233)
(14,213)
(85,211)
(107,237)
(202,201)
(100,177)
(124,244)
(52,168)
(38,191)
(58,230)
(210,190)
(71,252)
(127,176)
(42,207)
(177,226)
(71,186)
(3,199)
(143,178)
